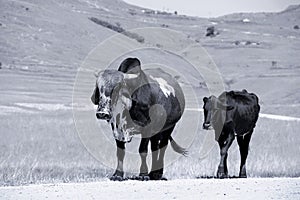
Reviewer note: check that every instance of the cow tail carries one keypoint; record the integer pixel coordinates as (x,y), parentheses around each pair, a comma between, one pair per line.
(177,148)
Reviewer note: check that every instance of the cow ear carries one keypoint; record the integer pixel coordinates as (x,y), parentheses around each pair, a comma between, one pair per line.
(205,99)
(95,96)
(96,74)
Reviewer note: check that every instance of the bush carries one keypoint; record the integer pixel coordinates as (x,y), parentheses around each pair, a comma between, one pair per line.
(135,36)
(211,32)
(108,25)
(132,12)
(237,42)
(117,28)
(163,13)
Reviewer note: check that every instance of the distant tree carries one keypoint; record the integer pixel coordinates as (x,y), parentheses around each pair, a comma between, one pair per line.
(237,42)
(274,63)
(175,12)
(210,32)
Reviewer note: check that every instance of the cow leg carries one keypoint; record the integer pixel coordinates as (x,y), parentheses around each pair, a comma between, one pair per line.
(225,142)
(143,151)
(162,149)
(243,142)
(158,147)
(119,173)
(155,154)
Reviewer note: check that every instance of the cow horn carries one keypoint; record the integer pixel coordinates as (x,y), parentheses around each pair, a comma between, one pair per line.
(131,76)
(95,96)
(96,74)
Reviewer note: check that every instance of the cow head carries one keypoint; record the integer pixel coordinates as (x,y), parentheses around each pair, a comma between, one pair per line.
(214,113)
(114,102)
(106,82)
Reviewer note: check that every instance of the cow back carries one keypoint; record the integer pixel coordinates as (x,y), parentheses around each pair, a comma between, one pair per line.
(159,88)
(244,116)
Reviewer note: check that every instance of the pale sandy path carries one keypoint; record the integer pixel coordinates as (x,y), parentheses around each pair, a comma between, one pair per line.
(251,188)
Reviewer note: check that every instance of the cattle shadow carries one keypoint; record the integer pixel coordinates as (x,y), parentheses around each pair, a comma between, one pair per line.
(215,177)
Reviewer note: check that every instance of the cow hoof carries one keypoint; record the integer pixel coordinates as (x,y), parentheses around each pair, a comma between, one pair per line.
(157,176)
(159,179)
(140,178)
(117,178)
(143,178)
(243,173)
(243,176)
(222,175)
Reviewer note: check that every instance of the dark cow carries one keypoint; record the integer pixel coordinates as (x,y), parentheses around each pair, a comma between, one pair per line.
(232,114)
(147,102)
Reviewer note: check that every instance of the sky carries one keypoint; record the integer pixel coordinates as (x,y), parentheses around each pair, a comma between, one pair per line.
(214,8)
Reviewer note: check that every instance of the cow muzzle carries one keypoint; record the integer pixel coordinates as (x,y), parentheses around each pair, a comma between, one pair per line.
(103,115)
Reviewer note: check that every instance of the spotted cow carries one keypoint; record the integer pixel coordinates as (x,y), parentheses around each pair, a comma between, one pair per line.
(134,101)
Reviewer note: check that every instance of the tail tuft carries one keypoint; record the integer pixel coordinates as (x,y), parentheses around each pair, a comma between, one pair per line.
(178,148)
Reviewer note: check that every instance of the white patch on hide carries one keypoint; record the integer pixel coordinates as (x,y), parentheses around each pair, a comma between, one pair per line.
(127,102)
(164,86)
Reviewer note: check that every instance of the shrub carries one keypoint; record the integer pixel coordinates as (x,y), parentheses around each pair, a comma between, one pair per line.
(135,36)
(117,28)
(211,32)
(108,25)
